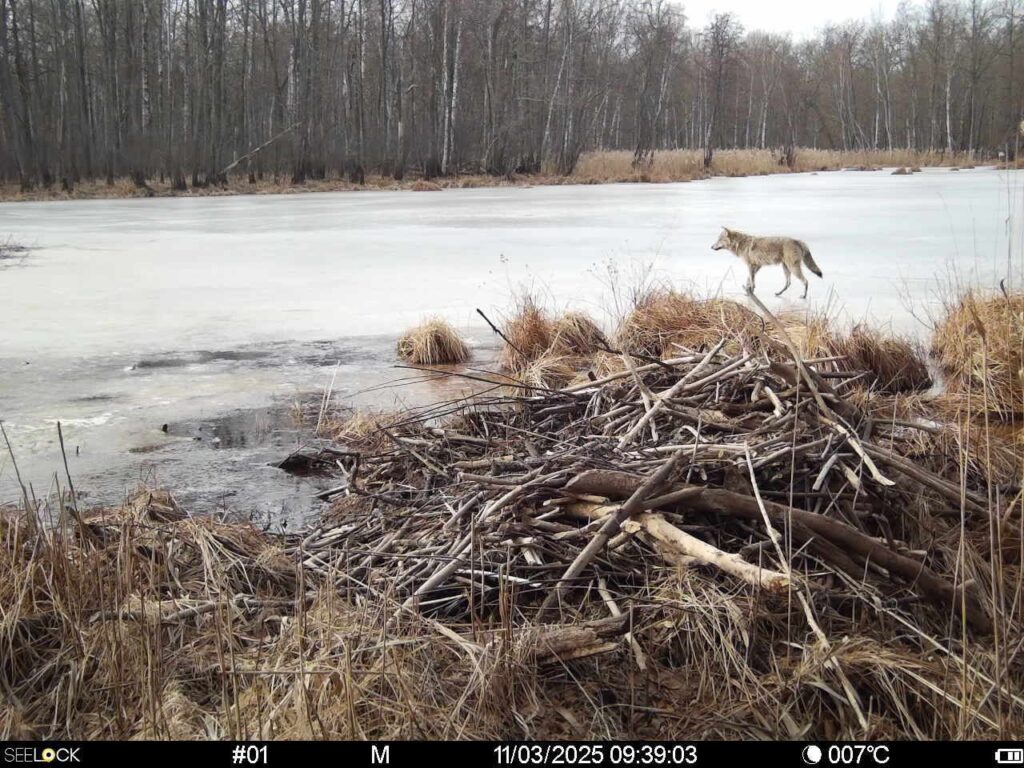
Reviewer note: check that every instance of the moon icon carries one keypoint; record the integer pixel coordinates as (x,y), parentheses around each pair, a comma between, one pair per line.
(811,754)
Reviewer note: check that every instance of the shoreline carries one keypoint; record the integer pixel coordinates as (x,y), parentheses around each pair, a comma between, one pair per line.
(598,168)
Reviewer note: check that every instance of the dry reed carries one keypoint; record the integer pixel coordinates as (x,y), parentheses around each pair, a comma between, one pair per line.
(575,333)
(893,364)
(979,347)
(433,342)
(688,164)
(529,333)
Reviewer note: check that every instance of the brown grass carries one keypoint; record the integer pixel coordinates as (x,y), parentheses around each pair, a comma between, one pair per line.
(530,330)
(599,365)
(666,322)
(363,430)
(433,342)
(658,316)
(425,186)
(576,333)
(548,352)
(979,347)
(893,364)
(980,455)
(551,370)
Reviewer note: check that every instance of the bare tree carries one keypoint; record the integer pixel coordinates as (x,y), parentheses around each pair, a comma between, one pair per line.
(193,90)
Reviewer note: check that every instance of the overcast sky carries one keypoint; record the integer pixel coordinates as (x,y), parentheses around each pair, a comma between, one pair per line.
(799,17)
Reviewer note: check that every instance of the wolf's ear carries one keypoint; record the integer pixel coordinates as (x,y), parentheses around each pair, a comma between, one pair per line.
(727,230)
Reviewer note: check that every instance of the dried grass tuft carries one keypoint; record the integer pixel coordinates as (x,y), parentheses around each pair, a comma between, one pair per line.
(665,322)
(892,364)
(530,331)
(979,347)
(434,342)
(364,430)
(551,371)
(577,334)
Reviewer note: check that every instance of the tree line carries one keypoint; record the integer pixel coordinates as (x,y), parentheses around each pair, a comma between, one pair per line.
(190,91)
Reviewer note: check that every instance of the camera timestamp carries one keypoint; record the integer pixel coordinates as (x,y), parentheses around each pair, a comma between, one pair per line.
(596,754)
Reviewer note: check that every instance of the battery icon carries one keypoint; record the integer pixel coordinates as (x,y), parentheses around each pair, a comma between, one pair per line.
(1010,756)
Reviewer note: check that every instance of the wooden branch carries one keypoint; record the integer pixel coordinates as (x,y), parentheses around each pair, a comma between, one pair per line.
(644,488)
(914,573)
(557,644)
(690,546)
(668,395)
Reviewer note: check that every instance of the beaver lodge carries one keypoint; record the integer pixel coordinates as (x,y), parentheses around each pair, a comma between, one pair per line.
(742,534)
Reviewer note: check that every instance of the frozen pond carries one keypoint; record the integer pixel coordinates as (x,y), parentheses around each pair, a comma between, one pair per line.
(216,313)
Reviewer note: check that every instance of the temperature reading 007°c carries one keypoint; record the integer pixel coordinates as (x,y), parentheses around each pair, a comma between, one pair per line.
(847,754)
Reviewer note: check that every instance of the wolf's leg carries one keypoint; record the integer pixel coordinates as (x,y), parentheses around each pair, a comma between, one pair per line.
(753,274)
(800,276)
(785,268)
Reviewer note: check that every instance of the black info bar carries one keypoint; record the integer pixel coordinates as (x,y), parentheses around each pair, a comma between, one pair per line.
(511,753)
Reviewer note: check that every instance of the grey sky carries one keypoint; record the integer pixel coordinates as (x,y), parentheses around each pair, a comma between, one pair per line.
(799,17)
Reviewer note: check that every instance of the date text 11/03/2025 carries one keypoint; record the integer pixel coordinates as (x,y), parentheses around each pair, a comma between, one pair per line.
(595,754)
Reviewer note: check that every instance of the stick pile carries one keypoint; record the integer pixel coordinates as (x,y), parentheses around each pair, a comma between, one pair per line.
(758,469)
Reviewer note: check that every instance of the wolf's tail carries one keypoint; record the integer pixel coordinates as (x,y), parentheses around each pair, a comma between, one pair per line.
(809,262)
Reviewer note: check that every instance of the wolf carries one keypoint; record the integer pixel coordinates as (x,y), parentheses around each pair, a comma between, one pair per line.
(759,252)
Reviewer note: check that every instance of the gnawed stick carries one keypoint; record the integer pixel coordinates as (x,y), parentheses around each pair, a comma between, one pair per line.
(441,575)
(645,395)
(815,384)
(557,644)
(690,546)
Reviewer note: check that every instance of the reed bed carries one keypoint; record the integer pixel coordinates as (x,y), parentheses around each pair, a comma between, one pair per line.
(433,342)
